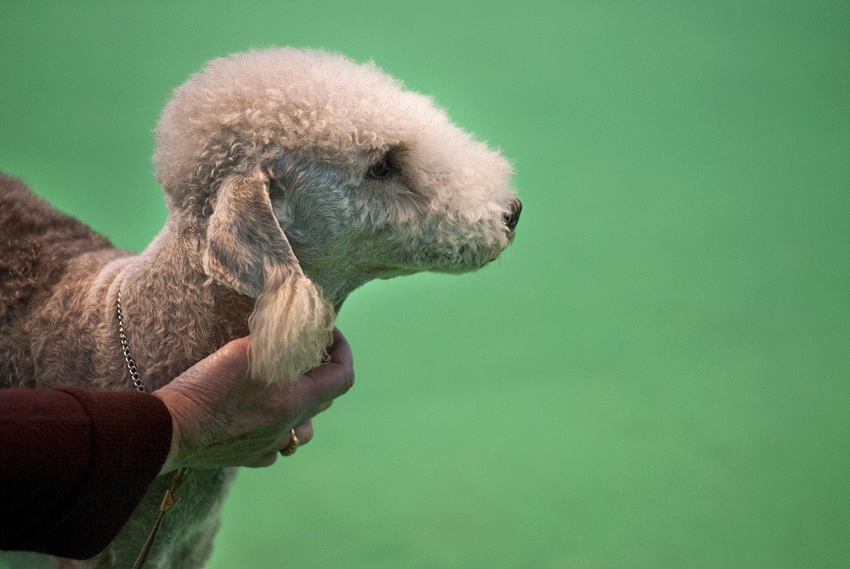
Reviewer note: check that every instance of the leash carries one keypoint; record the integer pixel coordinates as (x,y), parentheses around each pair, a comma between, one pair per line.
(170,499)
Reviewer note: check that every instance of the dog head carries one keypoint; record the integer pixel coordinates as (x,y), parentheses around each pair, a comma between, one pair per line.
(310,175)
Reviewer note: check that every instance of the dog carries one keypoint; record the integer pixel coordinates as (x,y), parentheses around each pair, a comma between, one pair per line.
(292,177)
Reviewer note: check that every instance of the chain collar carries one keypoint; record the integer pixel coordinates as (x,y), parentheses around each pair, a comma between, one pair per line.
(170,499)
(125,346)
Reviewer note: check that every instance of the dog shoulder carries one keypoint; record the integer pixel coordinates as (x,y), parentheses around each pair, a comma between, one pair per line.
(36,243)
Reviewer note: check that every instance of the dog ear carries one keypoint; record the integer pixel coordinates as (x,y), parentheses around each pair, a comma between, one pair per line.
(248,251)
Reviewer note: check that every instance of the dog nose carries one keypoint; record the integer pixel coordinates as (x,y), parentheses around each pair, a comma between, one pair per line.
(512,216)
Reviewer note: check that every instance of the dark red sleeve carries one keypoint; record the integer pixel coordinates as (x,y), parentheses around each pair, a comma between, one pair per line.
(74,464)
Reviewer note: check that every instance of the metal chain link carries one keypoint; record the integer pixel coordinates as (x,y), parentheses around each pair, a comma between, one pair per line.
(125,345)
(169,500)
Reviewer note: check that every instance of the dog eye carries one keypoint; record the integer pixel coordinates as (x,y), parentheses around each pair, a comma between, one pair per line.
(379,170)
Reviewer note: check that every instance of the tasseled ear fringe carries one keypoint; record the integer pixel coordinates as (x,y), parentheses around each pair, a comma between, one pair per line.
(291,326)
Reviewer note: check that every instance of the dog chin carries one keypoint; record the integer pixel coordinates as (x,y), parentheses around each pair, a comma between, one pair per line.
(455,265)
(464,265)
(462,269)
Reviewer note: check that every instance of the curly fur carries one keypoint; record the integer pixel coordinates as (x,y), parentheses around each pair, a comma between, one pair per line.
(291,326)
(292,177)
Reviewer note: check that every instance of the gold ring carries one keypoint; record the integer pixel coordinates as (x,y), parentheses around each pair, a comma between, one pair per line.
(292,446)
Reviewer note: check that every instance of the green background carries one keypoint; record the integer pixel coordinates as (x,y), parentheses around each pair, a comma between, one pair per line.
(656,373)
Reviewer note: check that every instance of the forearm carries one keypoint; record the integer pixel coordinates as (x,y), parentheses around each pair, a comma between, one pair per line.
(74,464)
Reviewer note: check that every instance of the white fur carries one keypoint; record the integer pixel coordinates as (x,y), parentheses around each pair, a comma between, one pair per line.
(290,327)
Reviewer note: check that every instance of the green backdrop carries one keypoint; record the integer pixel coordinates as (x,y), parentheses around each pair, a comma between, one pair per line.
(656,374)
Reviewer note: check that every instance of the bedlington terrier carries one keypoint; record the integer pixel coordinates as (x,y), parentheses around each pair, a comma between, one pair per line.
(292,177)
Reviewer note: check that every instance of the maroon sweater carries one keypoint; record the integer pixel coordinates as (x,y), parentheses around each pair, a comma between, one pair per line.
(74,464)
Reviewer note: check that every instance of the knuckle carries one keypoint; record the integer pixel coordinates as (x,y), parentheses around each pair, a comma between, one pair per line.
(344,380)
(349,379)
(234,356)
(264,461)
(235,348)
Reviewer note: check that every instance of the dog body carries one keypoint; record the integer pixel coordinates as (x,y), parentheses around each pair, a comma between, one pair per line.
(58,326)
(292,177)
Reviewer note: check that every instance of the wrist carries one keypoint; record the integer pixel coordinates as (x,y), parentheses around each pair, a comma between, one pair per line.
(173,451)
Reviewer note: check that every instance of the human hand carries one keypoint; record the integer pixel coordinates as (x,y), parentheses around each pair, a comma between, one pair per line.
(222,417)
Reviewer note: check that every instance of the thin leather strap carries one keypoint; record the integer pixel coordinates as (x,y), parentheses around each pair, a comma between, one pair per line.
(168,502)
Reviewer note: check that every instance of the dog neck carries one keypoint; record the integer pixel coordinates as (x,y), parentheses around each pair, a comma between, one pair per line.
(336,284)
(191,315)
